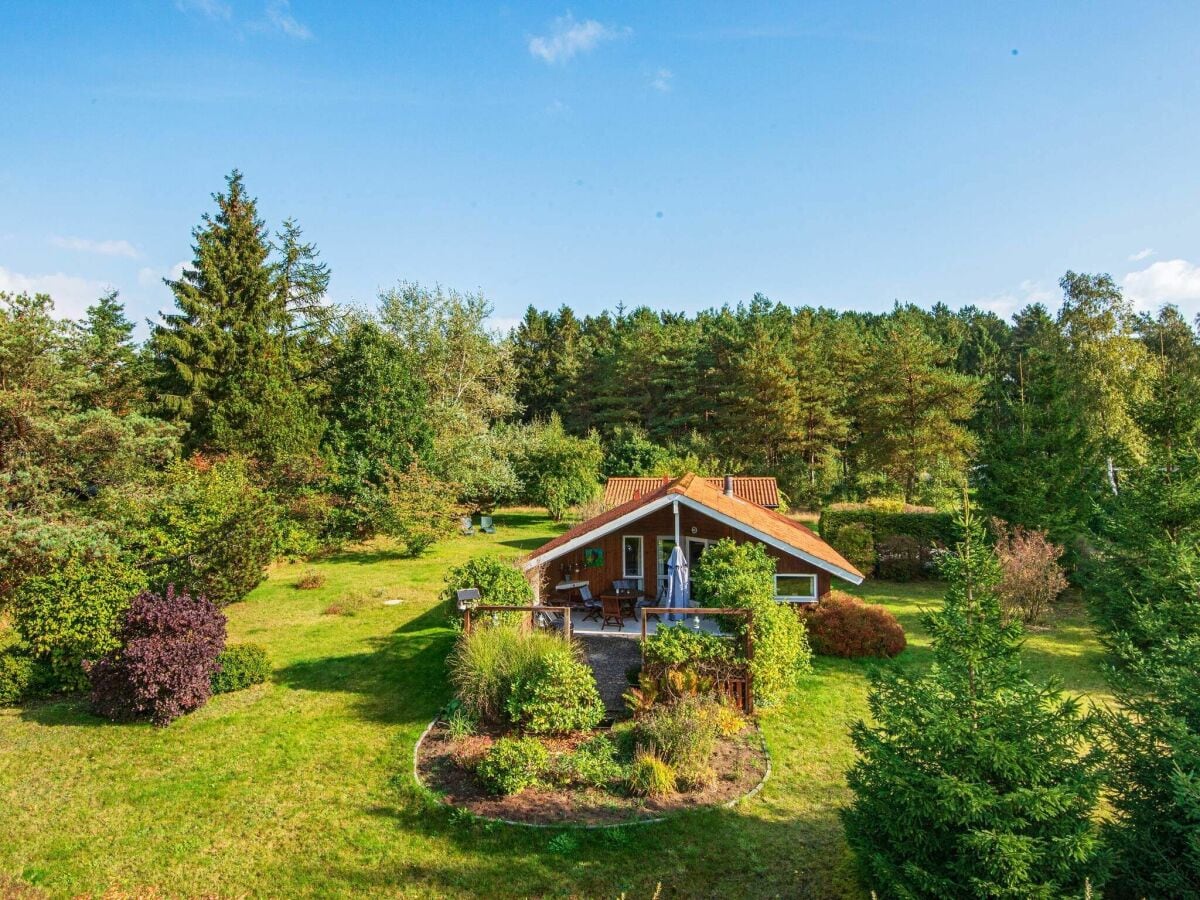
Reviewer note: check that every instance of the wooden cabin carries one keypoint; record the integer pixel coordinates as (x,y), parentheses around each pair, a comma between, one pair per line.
(633,541)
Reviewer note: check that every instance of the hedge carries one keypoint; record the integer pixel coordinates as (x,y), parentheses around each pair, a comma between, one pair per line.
(924,523)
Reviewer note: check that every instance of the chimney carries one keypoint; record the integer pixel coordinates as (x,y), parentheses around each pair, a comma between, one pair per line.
(728,485)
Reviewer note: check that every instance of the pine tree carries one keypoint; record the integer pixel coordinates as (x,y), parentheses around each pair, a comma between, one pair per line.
(1144,591)
(914,406)
(973,781)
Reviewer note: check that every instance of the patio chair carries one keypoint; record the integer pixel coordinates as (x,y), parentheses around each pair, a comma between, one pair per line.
(549,621)
(465,525)
(467,597)
(486,526)
(611,608)
(592,606)
(643,603)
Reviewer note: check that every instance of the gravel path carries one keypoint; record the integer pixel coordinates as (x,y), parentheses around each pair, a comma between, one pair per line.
(609,657)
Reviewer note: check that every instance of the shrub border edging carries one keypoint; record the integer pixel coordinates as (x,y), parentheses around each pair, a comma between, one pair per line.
(728,804)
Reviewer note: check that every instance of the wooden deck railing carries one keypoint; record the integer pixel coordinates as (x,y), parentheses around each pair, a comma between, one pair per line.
(738,686)
(533,611)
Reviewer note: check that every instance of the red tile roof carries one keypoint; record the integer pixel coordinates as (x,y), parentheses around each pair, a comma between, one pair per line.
(760,489)
(755,519)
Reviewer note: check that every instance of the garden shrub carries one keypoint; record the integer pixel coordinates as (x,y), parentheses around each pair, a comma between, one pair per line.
(742,575)
(205,524)
(488,664)
(310,579)
(841,625)
(71,611)
(499,582)
(592,764)
(22,676)
(684,735)
(1031,576)
(681,645)
(241,666)
(728,720)
(855,542)
(650,776)
(513,764)
(164,665)
(899,558)
(460,723)
(555,695)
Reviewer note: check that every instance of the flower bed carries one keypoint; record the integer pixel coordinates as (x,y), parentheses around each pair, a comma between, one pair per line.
(522,740)
(445,765)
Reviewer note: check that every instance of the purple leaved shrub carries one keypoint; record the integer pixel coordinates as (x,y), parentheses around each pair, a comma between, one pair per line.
(166,660)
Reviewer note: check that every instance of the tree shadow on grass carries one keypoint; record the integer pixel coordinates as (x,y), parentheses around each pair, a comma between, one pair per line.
(524,543)
(70,710)
(715,852)
(365,556)
(401,679)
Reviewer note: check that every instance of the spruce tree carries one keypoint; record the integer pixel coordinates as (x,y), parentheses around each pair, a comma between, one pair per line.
(222,361)
(1144,589)
(973,781)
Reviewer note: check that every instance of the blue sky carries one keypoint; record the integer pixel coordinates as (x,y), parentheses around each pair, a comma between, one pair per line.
(676,155)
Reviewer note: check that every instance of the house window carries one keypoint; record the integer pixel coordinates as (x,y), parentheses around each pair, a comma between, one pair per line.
(795,588)
(665,546)
(631,556)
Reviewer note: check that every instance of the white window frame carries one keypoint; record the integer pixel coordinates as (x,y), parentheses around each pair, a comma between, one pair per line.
(660,561)
(796,598)
(640,574)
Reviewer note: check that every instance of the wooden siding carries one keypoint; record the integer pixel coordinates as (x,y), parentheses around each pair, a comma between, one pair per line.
(659,523)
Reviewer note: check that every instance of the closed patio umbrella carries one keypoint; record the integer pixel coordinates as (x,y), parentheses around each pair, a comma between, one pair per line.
(678,583)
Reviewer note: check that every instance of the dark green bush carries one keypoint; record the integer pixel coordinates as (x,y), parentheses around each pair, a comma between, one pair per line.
(681,645)
(22,675)
(499,582)
(513,764)
(900,558)
(857,544)
(71,611)
(241,666)
(734,575)
(204,525)
(556,695)
(593,764)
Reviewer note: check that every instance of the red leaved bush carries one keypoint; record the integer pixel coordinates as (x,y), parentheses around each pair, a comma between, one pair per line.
(164,666)
(1032,577)
(841,625)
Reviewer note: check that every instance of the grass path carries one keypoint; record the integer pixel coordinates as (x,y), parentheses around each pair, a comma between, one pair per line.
(302,786)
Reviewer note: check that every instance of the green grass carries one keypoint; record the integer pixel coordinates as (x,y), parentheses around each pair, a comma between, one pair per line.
(302,786)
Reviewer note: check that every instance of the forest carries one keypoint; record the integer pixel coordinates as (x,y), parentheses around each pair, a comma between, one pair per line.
(258,422)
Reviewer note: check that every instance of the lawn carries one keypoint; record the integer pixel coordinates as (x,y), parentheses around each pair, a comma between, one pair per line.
(303,786)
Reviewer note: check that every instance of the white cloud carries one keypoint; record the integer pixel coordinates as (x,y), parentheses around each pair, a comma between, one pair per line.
(1141,254)
(72,295)
(150,277)
(662,81)
(1168,281)
(567,38)
(214,9)
(502,324)
(279,18)
(104,248)
(1008,302)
